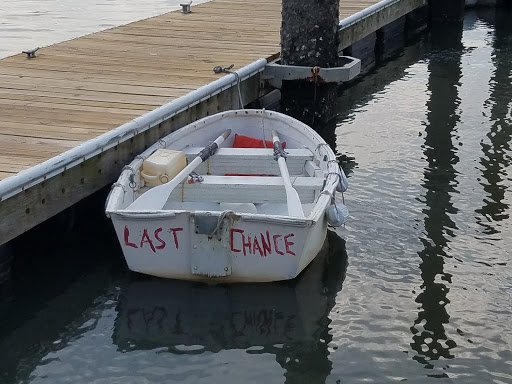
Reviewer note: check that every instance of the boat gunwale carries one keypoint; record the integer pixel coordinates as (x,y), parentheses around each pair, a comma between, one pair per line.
(249,217)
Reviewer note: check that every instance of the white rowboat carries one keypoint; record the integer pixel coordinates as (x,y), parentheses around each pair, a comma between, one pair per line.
(244,214)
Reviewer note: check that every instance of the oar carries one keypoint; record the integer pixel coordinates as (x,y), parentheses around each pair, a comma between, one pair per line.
(292,197)
(156,197)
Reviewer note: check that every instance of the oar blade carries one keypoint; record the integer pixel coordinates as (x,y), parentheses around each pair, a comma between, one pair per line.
(294,204)
(292,197)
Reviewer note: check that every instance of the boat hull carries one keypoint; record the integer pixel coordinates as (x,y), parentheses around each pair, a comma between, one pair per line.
(243,249)
(235,224)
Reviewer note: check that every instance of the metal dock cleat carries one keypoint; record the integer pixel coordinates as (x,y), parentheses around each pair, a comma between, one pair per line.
(30,53)
(185,7)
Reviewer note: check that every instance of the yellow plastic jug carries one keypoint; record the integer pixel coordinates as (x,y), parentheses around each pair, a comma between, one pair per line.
(162,165)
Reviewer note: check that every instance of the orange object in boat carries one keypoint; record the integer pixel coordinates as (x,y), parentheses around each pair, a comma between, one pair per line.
(242,141)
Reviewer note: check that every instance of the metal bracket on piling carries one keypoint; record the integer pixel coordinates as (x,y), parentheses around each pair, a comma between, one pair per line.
(30,53)
(185,8)
(274,73)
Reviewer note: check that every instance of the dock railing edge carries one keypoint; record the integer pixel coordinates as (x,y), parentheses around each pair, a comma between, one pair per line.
(58,164)
(356,17)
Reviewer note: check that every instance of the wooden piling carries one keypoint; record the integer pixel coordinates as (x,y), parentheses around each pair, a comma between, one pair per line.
(309,38)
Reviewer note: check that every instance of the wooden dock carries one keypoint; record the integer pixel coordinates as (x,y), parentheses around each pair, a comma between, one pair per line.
(75,91)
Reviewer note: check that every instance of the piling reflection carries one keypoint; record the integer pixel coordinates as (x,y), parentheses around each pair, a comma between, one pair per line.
(430,340)
(497,146)
(288,319)
(328,132)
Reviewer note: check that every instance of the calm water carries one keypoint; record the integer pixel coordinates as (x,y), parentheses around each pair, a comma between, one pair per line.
(26,24)
(419,290)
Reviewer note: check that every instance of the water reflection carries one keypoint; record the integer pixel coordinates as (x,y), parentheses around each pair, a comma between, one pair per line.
(57,274)
(287,319)
(36,329)
(496,159)
(430,340)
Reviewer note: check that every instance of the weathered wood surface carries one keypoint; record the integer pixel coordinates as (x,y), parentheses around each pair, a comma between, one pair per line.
(79,89)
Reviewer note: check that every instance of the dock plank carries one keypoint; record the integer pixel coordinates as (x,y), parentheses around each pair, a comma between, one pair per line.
(13,145)
(5,174)
(46,131)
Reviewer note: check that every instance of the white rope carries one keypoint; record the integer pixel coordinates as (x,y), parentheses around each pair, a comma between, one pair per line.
(219,225)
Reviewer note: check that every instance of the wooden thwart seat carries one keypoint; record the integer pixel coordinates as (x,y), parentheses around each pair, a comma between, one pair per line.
(247,189)
(249,161)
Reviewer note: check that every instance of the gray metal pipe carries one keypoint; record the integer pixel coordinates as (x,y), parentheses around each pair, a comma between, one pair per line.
(365,13)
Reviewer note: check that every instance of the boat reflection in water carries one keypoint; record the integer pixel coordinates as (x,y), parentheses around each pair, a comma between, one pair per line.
(193,318)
